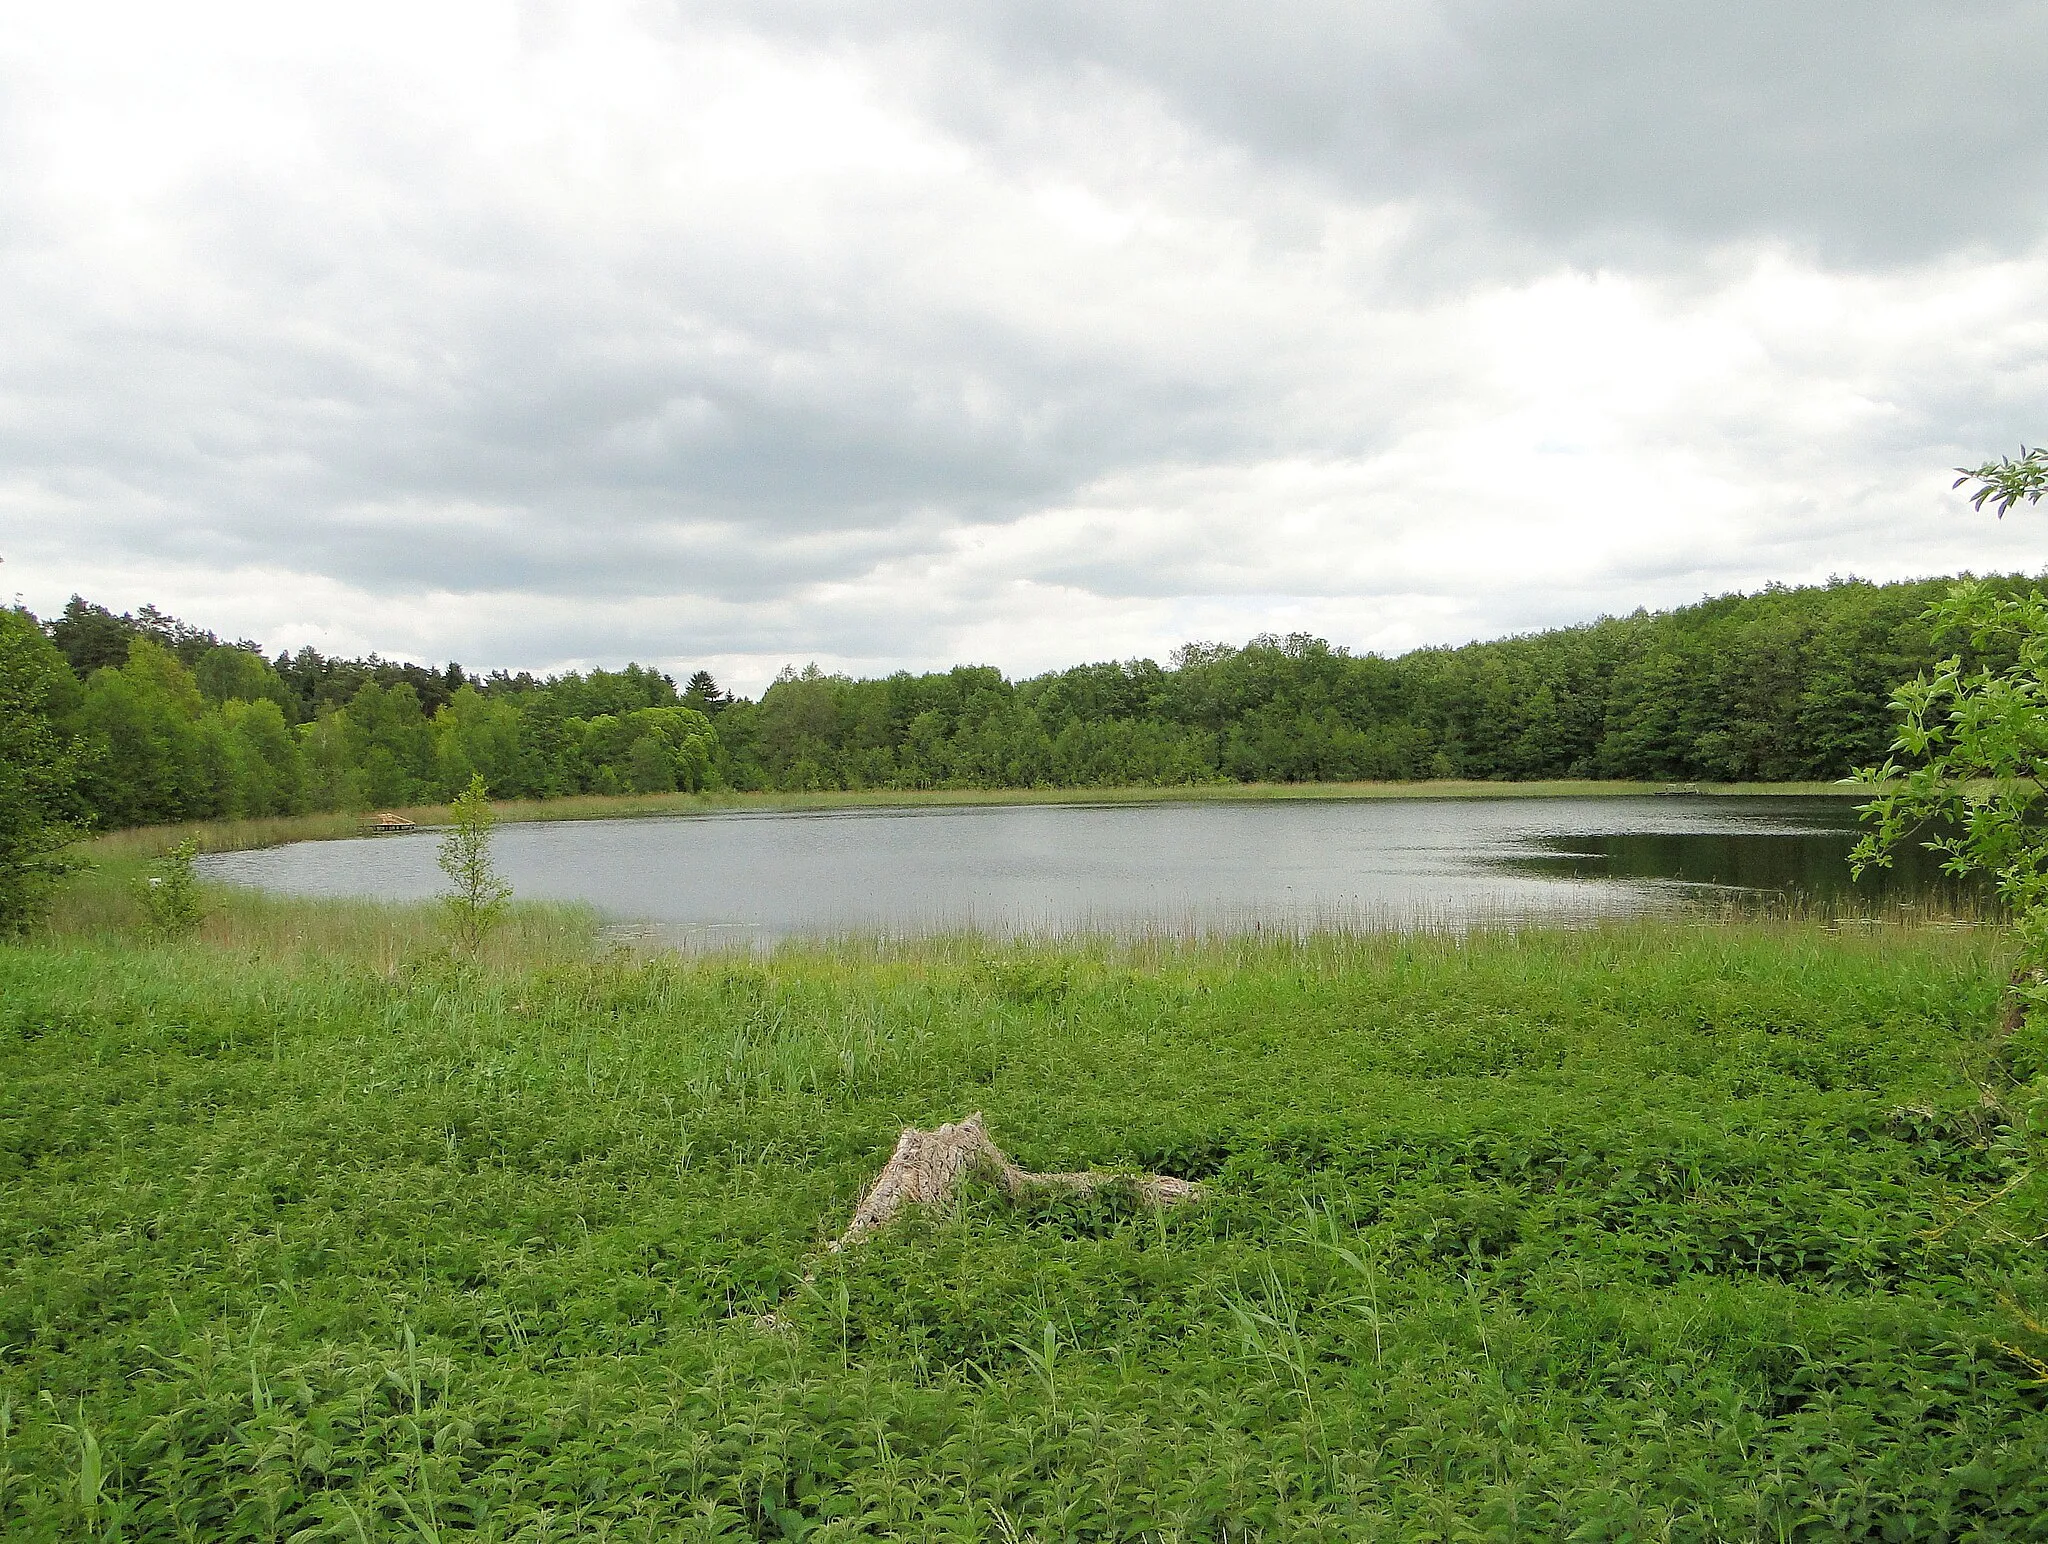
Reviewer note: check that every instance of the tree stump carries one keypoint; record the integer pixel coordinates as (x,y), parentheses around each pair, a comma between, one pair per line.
(931,1166)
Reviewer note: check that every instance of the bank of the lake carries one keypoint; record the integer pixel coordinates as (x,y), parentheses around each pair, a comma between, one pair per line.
(235,835)
(111,862)
(313,1229)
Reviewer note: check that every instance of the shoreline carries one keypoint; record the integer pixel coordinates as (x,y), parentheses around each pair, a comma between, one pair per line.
(277,830)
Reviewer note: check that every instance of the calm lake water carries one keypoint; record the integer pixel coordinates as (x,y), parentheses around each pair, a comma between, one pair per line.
(1195,867)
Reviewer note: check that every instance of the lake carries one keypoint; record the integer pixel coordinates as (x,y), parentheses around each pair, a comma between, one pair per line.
(1195,867)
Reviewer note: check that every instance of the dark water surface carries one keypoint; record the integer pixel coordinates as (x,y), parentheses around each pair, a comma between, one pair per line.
(1194,867)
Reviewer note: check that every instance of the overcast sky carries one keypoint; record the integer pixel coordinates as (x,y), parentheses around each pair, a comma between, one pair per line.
(903,335)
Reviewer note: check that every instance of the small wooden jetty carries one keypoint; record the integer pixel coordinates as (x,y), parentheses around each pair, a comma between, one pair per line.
(384,823)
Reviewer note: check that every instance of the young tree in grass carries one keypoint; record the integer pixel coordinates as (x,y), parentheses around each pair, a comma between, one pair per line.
(477,896)
(170,893)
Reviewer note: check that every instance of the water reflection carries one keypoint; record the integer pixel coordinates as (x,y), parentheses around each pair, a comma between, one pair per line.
(1797,851)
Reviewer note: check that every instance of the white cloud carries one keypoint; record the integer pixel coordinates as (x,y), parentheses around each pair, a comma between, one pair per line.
(551,335)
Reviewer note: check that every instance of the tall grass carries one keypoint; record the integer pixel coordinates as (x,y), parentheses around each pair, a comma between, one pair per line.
(104,904)
(138,844)
(1640,1230)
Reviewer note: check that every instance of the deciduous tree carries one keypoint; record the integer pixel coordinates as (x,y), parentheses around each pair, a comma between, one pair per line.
(40,812)
(1973,781)
(477,895)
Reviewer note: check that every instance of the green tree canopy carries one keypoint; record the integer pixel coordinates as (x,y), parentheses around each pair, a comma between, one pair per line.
(40,811)
(143,721)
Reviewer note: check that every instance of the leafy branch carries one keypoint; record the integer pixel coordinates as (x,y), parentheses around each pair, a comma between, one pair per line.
(2008,480)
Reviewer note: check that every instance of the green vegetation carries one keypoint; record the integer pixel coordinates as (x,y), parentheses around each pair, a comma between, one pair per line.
(170,891)
(39,808)
(312,1228)
(1974,786)
(1785,685)
(477,897)
(1976,746)
(185,728)
(2009,480)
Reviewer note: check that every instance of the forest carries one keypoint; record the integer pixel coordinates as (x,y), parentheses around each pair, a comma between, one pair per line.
(170,723)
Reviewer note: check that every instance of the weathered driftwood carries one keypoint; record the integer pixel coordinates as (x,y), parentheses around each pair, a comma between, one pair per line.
(931,1166)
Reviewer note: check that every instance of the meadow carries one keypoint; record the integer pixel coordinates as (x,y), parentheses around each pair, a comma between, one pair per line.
(312,1228)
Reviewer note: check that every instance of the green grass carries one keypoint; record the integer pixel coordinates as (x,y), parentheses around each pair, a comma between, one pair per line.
(1639,1232)
(103,905)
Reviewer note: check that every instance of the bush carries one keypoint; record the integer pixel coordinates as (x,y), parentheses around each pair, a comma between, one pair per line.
(170,894)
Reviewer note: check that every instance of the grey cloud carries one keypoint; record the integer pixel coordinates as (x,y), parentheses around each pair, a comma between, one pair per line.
(1604,131)
(673,422)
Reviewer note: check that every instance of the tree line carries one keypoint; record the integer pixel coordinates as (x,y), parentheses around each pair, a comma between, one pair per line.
(164,721)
